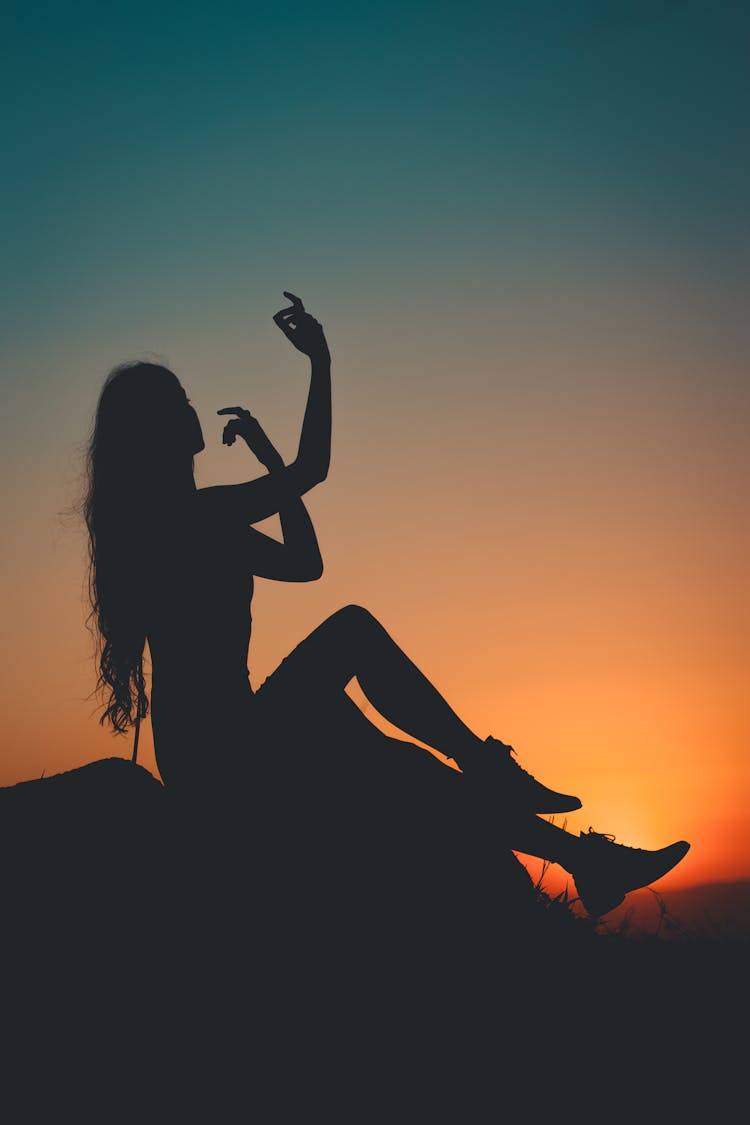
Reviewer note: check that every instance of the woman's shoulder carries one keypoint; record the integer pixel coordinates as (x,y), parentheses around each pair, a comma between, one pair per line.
(211,499)
(208,509)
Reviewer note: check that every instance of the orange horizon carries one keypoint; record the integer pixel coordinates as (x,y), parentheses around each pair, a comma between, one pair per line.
(576,595)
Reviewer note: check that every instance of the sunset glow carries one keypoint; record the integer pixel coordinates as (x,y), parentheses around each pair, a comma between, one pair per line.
(532,273)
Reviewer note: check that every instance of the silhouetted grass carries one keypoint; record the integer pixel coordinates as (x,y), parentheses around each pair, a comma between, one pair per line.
(166,968)
(211,943)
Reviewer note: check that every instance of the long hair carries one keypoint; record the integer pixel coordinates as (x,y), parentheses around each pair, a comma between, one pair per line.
(138,446)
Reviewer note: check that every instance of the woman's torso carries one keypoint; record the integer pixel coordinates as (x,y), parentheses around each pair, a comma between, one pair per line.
(198,630)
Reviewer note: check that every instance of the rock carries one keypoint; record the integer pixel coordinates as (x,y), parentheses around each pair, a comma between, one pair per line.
(78,849)
(97,807)
(392,877)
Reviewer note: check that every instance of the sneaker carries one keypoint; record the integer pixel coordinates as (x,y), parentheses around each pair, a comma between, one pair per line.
(517,787)
(606,871)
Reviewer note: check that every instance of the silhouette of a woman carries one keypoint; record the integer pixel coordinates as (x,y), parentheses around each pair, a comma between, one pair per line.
(173,565)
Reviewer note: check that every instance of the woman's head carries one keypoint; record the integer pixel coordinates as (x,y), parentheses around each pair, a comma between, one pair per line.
(144,420)
(139,467)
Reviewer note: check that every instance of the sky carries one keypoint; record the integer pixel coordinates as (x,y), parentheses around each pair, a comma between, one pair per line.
(525,229)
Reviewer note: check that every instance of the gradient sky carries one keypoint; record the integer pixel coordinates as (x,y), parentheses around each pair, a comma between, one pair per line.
(525,228)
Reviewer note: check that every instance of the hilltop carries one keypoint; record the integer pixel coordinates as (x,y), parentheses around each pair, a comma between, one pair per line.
(298,936)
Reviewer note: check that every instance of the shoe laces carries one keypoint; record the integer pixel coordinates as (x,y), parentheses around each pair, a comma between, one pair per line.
(606,838)
(495,743)
(600,835)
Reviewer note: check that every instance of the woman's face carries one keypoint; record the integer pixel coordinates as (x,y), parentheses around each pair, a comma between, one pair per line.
(195,433)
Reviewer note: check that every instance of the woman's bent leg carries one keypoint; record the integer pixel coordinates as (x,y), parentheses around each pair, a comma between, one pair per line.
(352,643)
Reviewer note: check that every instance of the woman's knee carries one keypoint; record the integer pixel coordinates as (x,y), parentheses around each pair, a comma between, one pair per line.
(354,620)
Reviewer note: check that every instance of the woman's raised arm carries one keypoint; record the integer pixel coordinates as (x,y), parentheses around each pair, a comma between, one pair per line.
(306,333)
(258,499)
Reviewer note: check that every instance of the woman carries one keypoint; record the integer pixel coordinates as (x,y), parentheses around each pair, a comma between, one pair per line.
(173,565)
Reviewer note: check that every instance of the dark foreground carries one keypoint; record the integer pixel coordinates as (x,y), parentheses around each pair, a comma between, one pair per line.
(308,961)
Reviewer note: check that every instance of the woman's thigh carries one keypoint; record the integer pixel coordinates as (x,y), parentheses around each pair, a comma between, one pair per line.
(328,658)
(312,718)
(318,737)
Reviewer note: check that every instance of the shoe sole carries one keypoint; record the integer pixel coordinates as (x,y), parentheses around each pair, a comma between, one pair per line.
(569,807)
(596,908)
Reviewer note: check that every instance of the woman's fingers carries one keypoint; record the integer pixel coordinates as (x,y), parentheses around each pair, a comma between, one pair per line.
(285,325)
(293,318)
(229,434)
(300,327)
(296,302)
(296,309)
(234,425)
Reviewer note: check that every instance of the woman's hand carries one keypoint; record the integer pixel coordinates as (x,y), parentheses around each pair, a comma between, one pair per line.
(250,430)
(305,332)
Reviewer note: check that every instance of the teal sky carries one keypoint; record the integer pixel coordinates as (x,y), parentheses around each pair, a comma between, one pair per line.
(170,168)
(525,227)
(169,157)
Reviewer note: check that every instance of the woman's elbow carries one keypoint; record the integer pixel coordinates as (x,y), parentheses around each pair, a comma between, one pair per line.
(315,476)
(309,474)
(309,571)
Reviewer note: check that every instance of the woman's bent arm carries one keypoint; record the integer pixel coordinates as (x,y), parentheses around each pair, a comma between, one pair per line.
(297,558)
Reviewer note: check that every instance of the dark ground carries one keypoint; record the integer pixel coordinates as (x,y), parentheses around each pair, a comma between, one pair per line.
(240,968)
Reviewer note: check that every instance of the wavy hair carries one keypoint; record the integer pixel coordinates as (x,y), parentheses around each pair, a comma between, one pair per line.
(133,462)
